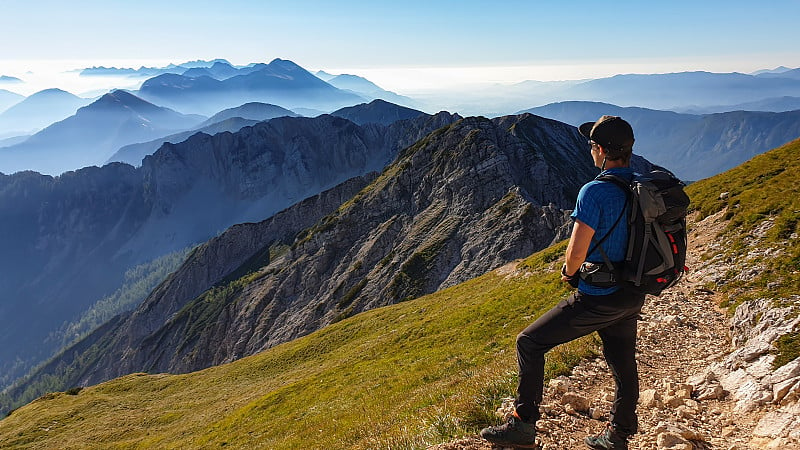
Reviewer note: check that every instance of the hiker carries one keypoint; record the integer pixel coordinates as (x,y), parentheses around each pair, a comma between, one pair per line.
(608,308)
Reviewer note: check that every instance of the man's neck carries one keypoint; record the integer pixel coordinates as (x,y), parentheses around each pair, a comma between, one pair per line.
(614,165)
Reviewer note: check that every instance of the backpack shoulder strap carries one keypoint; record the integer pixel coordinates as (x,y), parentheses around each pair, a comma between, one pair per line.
(618,180)
(625,186)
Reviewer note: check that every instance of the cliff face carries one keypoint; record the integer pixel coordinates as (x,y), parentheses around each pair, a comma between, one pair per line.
(60,238)
(67,241)
(463,200)
(205,184)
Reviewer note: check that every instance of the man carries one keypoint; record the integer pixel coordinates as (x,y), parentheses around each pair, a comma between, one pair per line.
(599,217)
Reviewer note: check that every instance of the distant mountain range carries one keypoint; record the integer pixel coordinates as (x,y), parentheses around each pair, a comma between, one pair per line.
(365,88)
(693,146)
(219,71)
(682,91)
(773,104)
(8,99)
(793,74)
(222,70)
(775,90)
(93,134)
(779,69)
(675,90)
(280,82)
(67,241)
(148,71)
(5,79)
(40,110)
(232,119)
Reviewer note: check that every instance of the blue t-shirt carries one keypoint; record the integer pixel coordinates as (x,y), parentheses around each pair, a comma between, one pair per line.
(599,205)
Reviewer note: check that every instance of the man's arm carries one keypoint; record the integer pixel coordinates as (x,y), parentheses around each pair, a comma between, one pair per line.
(577,248)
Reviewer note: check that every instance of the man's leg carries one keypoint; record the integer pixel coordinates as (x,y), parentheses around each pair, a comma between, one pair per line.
(619,349)
(574,317)
(565,322)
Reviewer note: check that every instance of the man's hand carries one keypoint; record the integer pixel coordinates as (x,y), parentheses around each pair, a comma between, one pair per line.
(573,279)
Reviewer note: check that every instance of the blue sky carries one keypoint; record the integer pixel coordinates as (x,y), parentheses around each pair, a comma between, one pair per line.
(504,41)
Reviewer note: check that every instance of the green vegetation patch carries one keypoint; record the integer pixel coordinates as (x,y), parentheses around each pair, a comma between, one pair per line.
(787,349)
(139,282)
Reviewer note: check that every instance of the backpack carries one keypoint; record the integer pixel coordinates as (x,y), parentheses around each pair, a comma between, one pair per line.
(656,251)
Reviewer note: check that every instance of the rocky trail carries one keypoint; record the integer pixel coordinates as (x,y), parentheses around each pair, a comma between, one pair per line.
(706,380)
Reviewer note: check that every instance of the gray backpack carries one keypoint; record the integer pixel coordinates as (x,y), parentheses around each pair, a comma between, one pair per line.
(656,254)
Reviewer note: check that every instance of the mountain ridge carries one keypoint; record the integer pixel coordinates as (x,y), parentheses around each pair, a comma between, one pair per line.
(184,194)
(231,120)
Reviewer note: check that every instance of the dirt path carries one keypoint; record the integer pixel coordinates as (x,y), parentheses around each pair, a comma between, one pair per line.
(681,333)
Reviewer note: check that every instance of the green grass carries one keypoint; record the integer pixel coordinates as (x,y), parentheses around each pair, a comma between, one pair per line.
(764,188)
(787,349)
(404,376)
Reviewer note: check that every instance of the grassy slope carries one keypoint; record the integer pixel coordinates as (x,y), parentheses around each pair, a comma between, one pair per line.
(397,377)
(764,188)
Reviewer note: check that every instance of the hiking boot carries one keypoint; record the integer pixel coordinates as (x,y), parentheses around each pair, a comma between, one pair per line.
(612,439)
(513,433)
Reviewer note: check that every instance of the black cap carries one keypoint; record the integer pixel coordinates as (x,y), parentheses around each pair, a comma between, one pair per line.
(613,133)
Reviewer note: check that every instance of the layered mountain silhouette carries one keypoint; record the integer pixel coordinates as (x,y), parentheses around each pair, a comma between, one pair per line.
(693,146)
(772,104)
(67,241)
(251,111)
(280,82)
(40,110)
(232,119)
(8,99)
(676,90)
(793,74)
(149,71)
(93,134)
(465,199)
(376,111)
(365,88)
(682,91)
(218,70)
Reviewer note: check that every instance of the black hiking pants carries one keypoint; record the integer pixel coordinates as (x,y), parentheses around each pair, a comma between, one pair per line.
(614,318)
